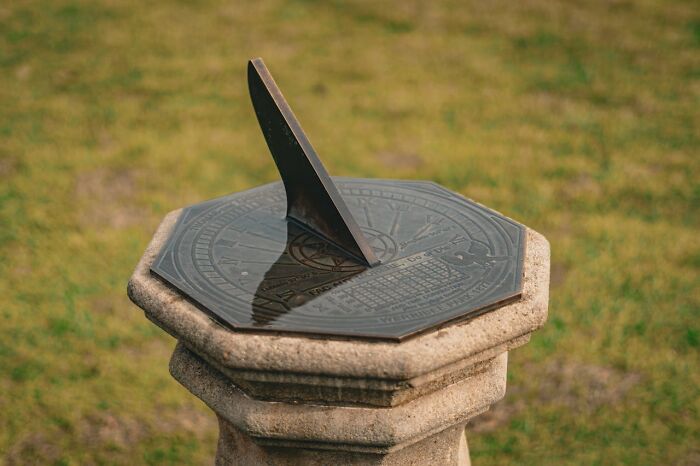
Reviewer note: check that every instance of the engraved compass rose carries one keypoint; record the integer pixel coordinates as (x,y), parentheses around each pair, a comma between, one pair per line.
(315,252)
(345,257)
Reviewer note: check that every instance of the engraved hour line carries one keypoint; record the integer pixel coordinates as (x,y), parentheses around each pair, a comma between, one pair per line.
(260,302)
(424,229)
(271,227)
(363,203)
(287,264)
(225,260)
(226,243)
(262,249)
(248,232)
(278,277)
(228,261)
(399,208)
(231,244)
(279,230)
(395,223)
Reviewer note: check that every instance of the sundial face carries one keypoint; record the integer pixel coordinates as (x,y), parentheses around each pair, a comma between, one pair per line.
(442,258)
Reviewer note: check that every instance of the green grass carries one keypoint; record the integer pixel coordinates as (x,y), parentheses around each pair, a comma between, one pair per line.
(579,119)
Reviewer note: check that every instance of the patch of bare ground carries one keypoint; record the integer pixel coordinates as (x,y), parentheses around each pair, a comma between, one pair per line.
(35,448)
(400,160)
(500,413)
(23,72)
(105,305)
(186,418)
(579,387)
(107,198)
(558,274)
(105,428)
(108,304)
(157,347)
(583,387)
(8,167)
(692,459)
(583,186)
(111,430)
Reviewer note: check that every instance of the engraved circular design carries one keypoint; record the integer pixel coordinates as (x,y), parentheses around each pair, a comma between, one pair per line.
(310,250)
(443,258)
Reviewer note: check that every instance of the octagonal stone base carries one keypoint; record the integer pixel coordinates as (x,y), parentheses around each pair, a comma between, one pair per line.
(284,399)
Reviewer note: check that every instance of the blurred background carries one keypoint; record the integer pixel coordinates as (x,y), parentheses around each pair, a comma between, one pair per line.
(578,119)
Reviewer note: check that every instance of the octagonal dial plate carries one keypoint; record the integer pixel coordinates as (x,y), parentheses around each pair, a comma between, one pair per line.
(443,259)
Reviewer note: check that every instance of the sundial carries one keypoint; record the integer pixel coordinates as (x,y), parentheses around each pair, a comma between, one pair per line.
(338,257)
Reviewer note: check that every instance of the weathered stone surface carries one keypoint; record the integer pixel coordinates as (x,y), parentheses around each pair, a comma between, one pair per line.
(343,428)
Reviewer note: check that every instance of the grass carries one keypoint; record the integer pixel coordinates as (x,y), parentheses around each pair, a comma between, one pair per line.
(578,119)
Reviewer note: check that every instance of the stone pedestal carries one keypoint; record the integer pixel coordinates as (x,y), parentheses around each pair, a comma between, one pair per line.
(295,400)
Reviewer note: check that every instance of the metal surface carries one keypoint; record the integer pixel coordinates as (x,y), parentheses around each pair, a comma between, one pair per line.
(312,199)
(443,258)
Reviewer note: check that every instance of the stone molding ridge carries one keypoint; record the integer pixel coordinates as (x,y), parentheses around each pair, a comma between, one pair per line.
(344,428)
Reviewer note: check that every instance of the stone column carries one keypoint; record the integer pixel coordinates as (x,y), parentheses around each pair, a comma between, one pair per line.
(295,400)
